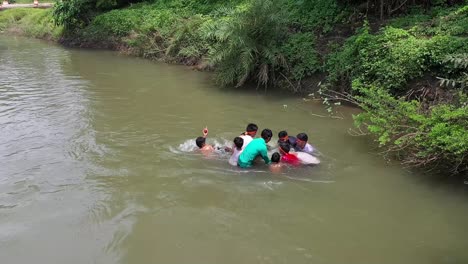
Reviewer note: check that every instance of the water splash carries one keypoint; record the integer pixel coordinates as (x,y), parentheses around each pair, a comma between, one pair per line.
(189,146)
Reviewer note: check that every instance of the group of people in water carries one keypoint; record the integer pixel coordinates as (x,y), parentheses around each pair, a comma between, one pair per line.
(247,148)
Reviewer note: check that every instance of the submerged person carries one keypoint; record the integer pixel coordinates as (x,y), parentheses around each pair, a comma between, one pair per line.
(201,142)
(276,166)
(257,147)
(302,145)
(249,134)
(287,157)
(283,137)
(206,148)
(236,150)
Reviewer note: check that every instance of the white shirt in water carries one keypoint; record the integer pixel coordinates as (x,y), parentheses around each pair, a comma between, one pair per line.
(246,139)
(235,156)
(307,159)
(307,148)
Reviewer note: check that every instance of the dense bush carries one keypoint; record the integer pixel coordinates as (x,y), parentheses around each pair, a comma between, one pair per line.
(73,14)
(76,14)
(302,57)
(434,138)
(429,130)
(313,14)
(246,44)
(188,45)
(394,56)
(119,22)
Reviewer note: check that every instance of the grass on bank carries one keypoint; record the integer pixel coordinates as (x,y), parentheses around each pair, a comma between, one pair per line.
(31,22)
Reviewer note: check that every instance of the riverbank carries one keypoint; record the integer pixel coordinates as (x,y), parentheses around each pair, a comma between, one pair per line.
(391,68)
(30,22)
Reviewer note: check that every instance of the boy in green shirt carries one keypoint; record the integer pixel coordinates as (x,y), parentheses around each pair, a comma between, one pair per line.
(256,147)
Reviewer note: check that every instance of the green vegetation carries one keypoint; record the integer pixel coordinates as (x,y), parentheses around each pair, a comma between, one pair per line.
(434,137)
(37,23)
(424,125)
(263,42)
(406,67)
(395,55)
(246,43)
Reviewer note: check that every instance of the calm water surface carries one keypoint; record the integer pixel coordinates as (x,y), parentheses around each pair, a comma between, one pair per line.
(96,167)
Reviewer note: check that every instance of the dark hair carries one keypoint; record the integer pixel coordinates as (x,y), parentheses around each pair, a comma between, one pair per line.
(275,157)
(302,136)
(238,142)
(267,134)
(285,146)
(251,127)
(200,141)
(282,134)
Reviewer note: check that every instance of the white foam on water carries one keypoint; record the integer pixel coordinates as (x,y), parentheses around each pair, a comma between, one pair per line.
(189,145)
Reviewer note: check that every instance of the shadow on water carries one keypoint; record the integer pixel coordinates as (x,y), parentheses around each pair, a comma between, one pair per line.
(441,180)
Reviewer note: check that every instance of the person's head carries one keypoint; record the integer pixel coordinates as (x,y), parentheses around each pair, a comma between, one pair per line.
(200,141)
(251,129)
(301,140)
(238,142)
(283,136)
(267,134)
(275,157)
(284,147)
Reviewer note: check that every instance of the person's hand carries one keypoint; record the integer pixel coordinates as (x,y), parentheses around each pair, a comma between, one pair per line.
(205,132)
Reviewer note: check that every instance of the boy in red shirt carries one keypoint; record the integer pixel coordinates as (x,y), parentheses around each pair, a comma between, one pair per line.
(287,157)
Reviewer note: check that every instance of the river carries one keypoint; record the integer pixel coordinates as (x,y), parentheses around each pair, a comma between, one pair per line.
(96,166)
